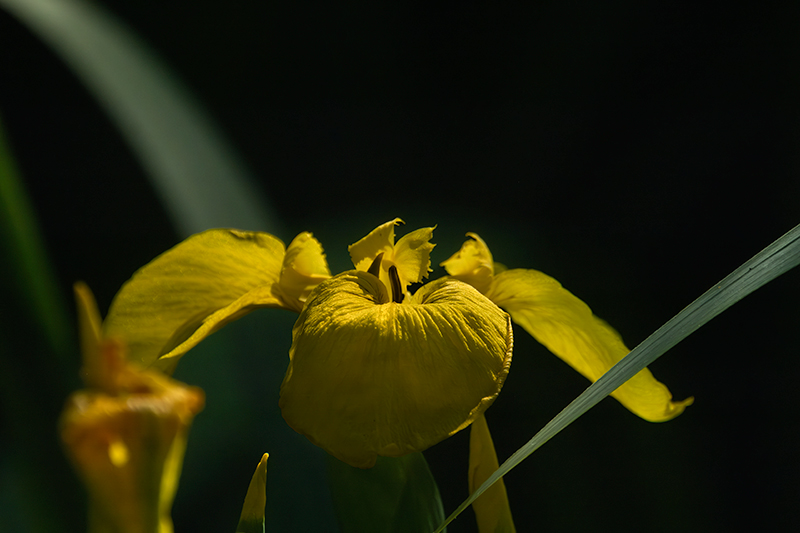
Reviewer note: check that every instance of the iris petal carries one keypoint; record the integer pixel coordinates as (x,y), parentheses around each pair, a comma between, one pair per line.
(472,264)
(412,256)
(381,239)
(126,433)
(491,508)
(193,289)
(367,378)
(304,267)
(567,327)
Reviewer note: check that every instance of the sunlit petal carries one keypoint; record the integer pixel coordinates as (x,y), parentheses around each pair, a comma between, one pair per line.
(193,289)
(372,377)
(472,264)
(412,256)
(567,327)
(304,267)
(491,509)
(381,239)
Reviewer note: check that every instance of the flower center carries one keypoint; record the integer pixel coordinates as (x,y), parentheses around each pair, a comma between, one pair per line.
(394,278)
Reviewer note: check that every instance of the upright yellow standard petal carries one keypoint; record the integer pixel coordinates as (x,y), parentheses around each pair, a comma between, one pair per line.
(472,264)
(379,240)
(567,327)
(411,255)
(491,509)
(208,280)
(368,376)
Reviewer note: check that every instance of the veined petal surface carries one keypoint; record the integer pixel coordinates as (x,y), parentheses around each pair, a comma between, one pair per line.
(192,290)
(368,376)
(567,327)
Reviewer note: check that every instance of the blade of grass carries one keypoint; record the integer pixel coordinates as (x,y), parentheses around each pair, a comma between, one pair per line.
(776,259)
(196,173)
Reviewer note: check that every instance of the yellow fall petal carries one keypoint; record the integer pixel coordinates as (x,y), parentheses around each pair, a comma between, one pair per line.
(567,327)
(195,288)
(472,264)
(491,509)
(368,376)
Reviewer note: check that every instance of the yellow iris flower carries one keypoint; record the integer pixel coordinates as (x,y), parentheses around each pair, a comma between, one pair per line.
(373,369)
(126,433)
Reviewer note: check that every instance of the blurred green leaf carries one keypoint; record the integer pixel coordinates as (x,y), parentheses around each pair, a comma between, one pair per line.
(198,176)
(39,367)
(397,495)
(776,259)
(25,264)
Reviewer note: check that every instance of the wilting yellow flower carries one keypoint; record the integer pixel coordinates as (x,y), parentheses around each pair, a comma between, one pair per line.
(373,369)
(125,433)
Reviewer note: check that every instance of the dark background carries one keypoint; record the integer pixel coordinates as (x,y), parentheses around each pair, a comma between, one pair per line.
(636,151)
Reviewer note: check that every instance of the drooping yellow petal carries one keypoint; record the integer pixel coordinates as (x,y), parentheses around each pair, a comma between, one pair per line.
(252,518)
(567,327)
(195,288)
(368,376)
(491,509)
(472,264)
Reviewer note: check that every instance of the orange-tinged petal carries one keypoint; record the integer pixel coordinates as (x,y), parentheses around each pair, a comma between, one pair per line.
(126,433)
(368,376)
(567,327)
(491,508)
